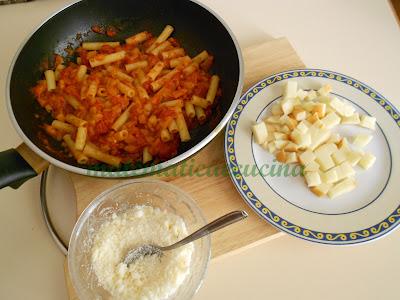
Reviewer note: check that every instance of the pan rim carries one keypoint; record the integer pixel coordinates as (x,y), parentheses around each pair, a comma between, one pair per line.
(137,172)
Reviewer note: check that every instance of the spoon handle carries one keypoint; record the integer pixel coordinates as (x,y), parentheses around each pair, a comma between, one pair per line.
(215,225)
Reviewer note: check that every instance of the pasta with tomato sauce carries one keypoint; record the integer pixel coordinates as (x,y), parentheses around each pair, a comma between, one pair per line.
(128,102)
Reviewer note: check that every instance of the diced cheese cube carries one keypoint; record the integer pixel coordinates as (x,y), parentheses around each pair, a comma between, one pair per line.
(287,106)
(265,145)
(260,132)
(329,176)
(335,138)
(331,120)
(321,190)
(348,110)
(311,95)
(325,99)
(272,120)
(301,94)
(341,188)
(279,144)
(291,157)
(311,167)
(319,124)
(276,109)
(312,118)
(338,105)
(318,136)
(344,144)
(367,161)
(353,157)
(361,140)
(325,162)
(272,128)
(307,157)
(308,106)
(368,122)
(354,119)
(302,140)
(280,136)
(312,178)
(320,109)
(290,147)
(346,170)
(284,129)
(325,90)
(271,147)
(339,156)
(299,114)
(326,149)
(290,89)
(291,123)
(281,156)
(302,127)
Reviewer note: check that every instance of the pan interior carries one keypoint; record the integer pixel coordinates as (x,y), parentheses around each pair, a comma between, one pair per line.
(195,27)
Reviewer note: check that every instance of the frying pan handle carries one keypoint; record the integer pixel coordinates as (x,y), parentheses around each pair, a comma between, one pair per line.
(18,165)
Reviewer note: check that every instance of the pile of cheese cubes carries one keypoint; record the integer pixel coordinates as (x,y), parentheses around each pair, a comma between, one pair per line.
(300,129)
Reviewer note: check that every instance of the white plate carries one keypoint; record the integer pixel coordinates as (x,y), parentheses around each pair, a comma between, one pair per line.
(366,213)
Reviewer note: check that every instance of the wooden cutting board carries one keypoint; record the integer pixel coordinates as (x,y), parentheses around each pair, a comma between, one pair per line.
(212,188)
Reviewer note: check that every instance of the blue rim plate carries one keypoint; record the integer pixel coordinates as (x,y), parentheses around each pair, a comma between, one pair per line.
(277,192)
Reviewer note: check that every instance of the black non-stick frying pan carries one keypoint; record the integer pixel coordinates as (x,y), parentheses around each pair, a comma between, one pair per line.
(196,27)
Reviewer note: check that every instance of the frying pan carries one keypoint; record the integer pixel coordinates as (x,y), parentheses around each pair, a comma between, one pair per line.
(196,27)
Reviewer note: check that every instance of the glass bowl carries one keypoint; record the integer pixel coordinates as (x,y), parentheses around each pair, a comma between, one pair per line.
(118,199)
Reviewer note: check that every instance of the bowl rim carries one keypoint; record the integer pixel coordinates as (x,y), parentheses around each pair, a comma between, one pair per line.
(78,286)
(136,172)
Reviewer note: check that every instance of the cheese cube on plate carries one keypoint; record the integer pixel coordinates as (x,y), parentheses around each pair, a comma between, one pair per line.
(353,157)
(331,120)
(318,136)
(346,170)
(320,109)
(290,89)
(271,147)
(287,105)
(367,161)
(312,178)
(272,120)
(368,122)
(339,156)
(329,176)
(260,132)
(326,149)
(299,114)
(280,136)
(325,162)
(338,105)
(311,167)
(342,187)
(311,95)
(307,157)
(281,156)
(325,90)
(335,138)
(302,140)
(291,157)
(302,127)
(301,94)
(361,140)
(284,129)
(279,144)
(322,189)
(354,119)
(308,106)
(291,147)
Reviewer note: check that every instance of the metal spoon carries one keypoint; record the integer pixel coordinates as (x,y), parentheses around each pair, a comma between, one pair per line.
(215,225)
